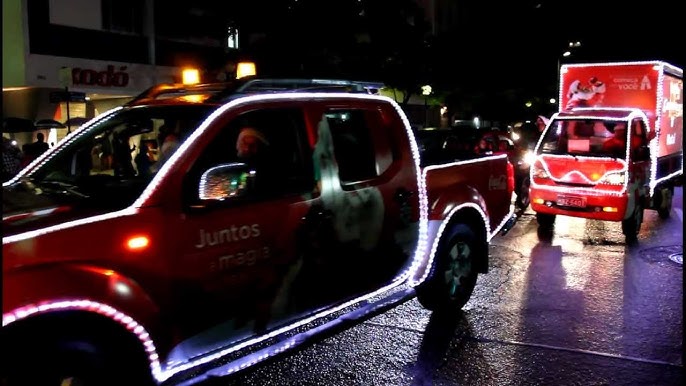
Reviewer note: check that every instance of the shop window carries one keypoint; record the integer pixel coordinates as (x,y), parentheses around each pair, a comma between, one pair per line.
(61,13)
(123,16)
(199,22)
(232,38)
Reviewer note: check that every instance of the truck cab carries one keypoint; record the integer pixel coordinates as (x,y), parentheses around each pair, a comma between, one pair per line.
(588,164)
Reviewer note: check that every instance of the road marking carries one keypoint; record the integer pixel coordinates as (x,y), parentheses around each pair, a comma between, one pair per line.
(538,345)
(576,350)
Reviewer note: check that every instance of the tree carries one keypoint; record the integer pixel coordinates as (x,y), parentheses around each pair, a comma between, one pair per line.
(399,32)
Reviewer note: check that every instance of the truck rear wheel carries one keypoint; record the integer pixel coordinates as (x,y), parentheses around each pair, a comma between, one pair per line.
(453,276)
(664,207)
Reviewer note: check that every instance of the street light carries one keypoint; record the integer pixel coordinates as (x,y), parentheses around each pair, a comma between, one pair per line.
(565,54)
(426,91)
(568,51)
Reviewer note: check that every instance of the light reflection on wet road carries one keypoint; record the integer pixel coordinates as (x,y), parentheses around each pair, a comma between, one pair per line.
(577,308)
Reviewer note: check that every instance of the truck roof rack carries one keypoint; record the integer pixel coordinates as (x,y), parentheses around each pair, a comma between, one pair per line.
(225,91)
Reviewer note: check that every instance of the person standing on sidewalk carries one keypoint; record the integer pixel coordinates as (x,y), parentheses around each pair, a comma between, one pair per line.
(11,159)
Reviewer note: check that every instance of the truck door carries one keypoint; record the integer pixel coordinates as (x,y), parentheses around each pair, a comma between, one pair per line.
(639,156)
(369,199)
(236,243)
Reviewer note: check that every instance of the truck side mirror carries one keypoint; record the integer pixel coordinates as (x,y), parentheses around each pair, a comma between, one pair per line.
(226,181)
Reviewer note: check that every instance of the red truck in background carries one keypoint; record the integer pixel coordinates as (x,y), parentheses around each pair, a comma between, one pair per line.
(615,147)
(207,263)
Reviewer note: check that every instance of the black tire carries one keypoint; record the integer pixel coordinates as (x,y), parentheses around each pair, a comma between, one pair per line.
(523,199)
(76,358)
(453,276)
(545,220)
(632,225)
(664,208)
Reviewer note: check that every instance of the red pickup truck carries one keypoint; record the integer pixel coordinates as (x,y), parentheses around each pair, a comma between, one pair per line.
(204,262)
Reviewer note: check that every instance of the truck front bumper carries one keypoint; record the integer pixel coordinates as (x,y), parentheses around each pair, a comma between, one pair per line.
(608,207)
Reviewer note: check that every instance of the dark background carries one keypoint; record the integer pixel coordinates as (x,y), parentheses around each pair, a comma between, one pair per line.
(485,57)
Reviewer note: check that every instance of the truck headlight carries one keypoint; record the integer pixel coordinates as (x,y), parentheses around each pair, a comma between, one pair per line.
(539,172)
(526,160)
(617,178)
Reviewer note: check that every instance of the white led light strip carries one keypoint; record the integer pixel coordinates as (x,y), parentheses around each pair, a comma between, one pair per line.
(35,213)
(658,63)
(655,144)
(86,305)
(654,181)
(568,158)
(69,224)
(465,162)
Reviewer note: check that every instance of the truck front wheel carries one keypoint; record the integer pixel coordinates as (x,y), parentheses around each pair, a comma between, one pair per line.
(523,193)
(545,220)
(453,276)
(74,358)
(632,225)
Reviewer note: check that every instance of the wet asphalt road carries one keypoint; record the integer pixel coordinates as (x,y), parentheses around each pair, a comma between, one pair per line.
(577,308)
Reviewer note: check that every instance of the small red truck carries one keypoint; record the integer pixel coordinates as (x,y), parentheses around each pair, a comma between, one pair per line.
(615,147)
(203,261)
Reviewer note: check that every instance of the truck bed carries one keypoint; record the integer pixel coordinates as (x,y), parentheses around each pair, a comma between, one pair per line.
(482,181)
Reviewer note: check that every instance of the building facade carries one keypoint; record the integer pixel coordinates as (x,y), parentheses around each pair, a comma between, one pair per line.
(103,52)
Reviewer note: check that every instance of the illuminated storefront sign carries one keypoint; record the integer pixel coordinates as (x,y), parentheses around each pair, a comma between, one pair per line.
(106,78)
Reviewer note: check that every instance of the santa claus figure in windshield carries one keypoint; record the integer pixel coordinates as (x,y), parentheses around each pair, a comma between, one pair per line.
(585,95)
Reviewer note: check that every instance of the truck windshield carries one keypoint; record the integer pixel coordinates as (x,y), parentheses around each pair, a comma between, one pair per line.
(111,162)
(586,137)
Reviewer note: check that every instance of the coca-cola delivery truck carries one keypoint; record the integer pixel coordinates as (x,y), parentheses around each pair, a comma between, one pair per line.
(615,146)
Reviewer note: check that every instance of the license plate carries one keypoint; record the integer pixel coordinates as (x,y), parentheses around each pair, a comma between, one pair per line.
(576,202)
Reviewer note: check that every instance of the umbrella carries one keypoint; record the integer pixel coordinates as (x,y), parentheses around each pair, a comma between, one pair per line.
(76,121)
(17,125)
(49,124)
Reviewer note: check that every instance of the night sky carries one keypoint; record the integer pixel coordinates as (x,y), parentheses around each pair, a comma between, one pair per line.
(514,44)
(519,42)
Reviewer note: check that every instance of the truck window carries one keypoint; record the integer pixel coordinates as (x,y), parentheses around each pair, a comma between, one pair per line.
(639,140)
(353,145)
(585,137)
(108,164)
(282,158)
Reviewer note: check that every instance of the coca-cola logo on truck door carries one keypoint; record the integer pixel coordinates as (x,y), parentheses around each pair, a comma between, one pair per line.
(106,78)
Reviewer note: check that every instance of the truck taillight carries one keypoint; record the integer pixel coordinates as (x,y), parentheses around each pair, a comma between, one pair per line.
(510,178)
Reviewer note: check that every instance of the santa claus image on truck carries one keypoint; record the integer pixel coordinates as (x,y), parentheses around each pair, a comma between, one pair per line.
(614,148)
(589,94)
